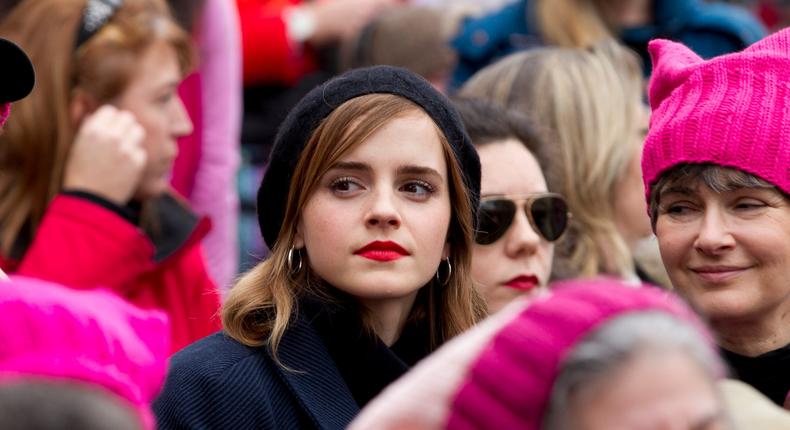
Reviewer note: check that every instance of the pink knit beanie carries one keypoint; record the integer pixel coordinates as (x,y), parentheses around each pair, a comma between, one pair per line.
(509,385)
(49,331)
(732,110)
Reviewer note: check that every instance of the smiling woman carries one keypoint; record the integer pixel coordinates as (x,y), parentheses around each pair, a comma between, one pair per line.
(718,185)
(369,272)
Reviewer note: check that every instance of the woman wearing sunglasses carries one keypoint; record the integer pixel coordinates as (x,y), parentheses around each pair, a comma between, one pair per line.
(519,219)
(590,102)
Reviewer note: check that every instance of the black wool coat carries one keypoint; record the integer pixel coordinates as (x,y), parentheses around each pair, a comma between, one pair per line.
(218,383)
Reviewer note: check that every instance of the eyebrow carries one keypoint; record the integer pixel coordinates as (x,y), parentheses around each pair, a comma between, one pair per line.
(402,170)
(678,189)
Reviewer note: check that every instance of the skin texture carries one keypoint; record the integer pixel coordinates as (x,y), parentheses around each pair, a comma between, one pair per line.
(153,100)
(744,235)
(509,169)
(392,187)
(126,149)
(651,391)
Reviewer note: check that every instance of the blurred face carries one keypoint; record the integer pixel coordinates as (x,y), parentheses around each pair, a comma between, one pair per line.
(152,97)
(520,260)
(651,392)
(376,226)
(728,253)
(630,210)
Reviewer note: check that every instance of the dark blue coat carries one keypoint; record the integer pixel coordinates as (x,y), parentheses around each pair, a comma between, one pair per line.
(218,383)
(709,29)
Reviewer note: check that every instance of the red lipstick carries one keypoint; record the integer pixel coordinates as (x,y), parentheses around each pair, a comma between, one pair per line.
(523,282)
(382,251)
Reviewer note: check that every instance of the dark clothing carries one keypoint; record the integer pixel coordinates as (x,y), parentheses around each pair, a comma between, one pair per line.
(709,29)
(768,373)
(332,367)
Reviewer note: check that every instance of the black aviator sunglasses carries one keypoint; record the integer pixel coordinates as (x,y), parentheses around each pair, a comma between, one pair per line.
(547,213)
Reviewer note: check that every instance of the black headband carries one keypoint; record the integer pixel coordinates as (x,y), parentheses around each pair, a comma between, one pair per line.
(94,17)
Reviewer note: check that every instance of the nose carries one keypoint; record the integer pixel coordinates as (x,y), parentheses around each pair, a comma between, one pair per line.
(383,211)
(714,236)
(180,124)
(521,239)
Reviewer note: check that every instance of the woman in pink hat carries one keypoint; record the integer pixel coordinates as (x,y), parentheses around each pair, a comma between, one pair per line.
(592,354)
(716,169)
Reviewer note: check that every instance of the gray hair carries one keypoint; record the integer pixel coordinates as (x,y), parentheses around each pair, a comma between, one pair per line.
(612,345)
(718,178)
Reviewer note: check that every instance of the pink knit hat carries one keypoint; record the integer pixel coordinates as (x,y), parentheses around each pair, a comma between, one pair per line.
(509,385)
(732,110)
(500,373)
(90,336)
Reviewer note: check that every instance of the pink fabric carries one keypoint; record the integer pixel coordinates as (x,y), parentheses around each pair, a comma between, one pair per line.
(82,245)
(187,162)
(509,384)
(91,336)
(214,192)
(732,110)
(5,111)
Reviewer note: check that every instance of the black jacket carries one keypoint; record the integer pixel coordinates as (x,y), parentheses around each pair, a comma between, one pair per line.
(219,383)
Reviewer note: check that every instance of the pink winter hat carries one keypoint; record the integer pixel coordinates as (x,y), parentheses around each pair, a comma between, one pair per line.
(94,336)
(500,373)
(732,110)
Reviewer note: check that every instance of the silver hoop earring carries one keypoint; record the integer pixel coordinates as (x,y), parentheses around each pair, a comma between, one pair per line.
(449,273)
(290,260)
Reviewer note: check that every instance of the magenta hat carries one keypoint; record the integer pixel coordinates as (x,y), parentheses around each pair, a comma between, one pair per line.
(510,383)
(52,332)
(732,110)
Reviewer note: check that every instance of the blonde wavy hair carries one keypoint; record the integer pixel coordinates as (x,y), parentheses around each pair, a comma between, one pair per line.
(590,102)
(36,142)
(263,302)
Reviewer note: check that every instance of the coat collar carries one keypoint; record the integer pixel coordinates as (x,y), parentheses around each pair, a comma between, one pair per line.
(313,378)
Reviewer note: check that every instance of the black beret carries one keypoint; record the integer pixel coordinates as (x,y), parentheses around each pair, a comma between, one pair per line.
(306,116)
(16,76)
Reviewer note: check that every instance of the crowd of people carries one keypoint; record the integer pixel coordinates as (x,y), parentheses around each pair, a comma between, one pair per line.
(539,214)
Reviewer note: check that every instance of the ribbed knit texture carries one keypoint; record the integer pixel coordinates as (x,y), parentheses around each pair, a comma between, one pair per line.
(218,383)
(509,385)
(733,110)
(53,332)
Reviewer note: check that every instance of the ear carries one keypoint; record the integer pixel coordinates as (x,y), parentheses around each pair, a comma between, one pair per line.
(82,104)
(298,241)
(446,251)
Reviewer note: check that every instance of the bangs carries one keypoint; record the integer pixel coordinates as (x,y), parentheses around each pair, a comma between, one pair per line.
(718,178)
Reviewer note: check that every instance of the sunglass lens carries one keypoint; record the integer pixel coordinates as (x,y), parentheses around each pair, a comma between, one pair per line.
(550,214)
(495,216)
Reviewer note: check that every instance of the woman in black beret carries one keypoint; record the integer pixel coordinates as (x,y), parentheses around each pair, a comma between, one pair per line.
(369,207)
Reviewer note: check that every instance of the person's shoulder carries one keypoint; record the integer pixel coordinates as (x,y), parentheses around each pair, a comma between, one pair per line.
(211,383)
(215,355)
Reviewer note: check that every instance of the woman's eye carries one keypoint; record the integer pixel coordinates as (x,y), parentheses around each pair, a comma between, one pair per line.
(749,204)
(419,189)
(678,209)
(344,186)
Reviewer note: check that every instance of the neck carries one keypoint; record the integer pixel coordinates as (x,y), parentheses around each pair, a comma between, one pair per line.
(627,13)
(755,336)
(389,316)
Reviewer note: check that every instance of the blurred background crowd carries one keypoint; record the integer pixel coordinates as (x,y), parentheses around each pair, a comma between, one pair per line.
(555,98)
